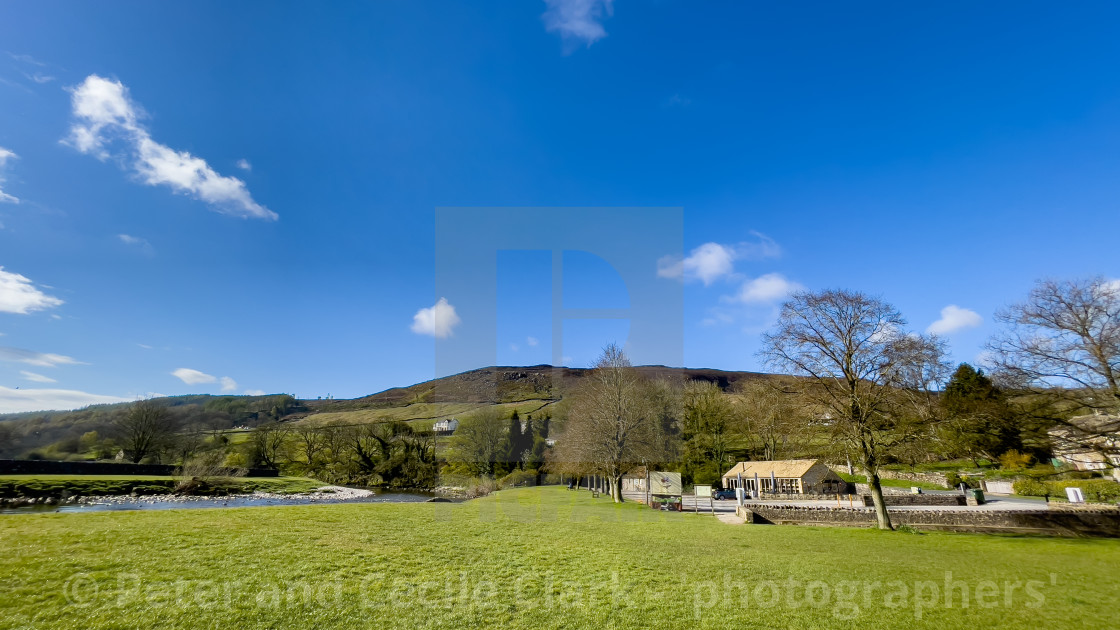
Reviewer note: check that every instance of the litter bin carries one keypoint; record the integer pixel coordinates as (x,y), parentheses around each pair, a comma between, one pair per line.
(974,496)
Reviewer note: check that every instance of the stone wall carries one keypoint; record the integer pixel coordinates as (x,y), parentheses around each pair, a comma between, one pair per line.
(927,477)
(949,500)
(44,467)
(1101,521)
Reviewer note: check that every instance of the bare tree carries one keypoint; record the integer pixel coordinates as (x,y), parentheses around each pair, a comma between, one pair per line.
(310,442)
(776,424)
(860,368)
(143,429)
(612,426)
(268,442)
(1062,346)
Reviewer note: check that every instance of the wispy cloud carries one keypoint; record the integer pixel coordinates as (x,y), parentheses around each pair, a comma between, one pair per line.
(954,318)
(5,156)
(36,378)
(712,261)
(255,392)
(532,341)
(193,377)
(577,20)
(244,165)
(27,59)
(19,295)
(140,243)
(39,359)
(437,321)
(228,384)
(21,400)
(107,124)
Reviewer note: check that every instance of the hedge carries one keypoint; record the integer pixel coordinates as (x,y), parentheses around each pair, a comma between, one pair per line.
(1095,490)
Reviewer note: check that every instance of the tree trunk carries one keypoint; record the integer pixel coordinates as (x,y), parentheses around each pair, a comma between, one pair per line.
(881,514)
(616,489)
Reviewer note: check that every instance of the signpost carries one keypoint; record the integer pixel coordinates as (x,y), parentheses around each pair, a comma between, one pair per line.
(666,484)
(704,491)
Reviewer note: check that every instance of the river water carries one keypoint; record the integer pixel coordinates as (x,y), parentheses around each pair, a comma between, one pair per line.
(178,503)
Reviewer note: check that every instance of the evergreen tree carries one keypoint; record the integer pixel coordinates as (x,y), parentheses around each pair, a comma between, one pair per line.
(979,421)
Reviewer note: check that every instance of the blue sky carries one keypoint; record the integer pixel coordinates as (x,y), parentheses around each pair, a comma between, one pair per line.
(241,197)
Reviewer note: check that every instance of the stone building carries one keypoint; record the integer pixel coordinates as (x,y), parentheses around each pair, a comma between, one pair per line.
(790,476)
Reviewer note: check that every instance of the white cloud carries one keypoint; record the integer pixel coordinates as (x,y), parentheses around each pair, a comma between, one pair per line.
(5,155)
(103,114)
(39,359)
(18,295)
(193,377)
(37,378)
(577,20)
(244,165)
(437,321)
(1112,287)
(228,384)
(39,77)
(532,341)
(255,392)
(514,347)
(20,400)
(954,318)
(768,288)
(712,261)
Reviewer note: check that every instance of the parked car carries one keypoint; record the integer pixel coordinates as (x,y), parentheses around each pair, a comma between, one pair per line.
(721,495)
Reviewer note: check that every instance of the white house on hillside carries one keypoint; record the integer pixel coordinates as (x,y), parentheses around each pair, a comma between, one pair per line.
(445,427)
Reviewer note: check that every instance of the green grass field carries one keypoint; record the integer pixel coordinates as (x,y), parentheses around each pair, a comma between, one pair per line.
(422,412)
(108,485)
(531,558)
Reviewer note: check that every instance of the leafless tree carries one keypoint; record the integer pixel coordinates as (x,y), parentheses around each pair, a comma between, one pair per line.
(269,441)
(1062,346)
(860,368)
(612,426)
(143,430)
(309,442)
(776,425)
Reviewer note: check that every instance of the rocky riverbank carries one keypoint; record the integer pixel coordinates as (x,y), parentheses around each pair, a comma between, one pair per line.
(325,493)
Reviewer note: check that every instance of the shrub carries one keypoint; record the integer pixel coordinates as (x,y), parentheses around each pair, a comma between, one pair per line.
(1095,490)
(480,487)
(1014,460)
(518,478)
(1031,488)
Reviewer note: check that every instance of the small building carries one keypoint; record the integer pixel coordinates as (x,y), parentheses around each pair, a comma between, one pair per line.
(635,480)
(1090,443)
(445,427)
(790,476)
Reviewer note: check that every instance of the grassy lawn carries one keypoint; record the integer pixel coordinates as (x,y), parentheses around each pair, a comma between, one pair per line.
(105,485)
(531,558)
(893,483)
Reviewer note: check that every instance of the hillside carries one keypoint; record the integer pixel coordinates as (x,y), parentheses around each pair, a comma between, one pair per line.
(506,384)
(529,390)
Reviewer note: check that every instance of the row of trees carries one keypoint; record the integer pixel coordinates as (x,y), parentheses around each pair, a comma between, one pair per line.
(863,387)
(489,443)
(105,430)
